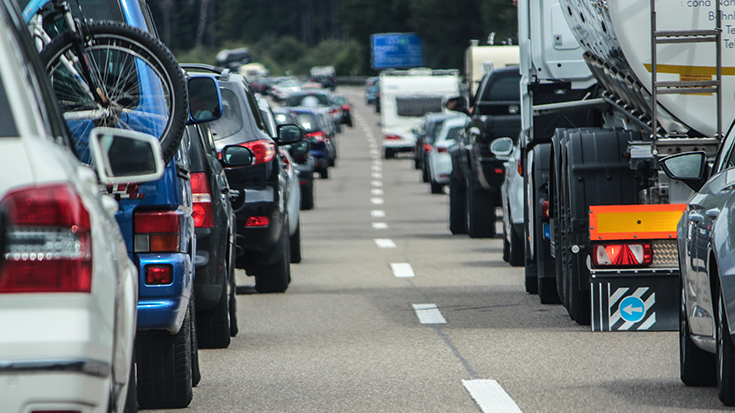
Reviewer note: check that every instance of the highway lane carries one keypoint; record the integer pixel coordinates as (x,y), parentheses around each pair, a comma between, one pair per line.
(379,259)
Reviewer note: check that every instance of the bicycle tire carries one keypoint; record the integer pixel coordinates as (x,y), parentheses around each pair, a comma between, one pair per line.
(142,82)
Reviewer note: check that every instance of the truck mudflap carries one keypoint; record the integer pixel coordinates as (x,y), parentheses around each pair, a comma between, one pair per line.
(629,297)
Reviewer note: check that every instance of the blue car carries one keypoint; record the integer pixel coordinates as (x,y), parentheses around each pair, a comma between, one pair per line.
(320,136)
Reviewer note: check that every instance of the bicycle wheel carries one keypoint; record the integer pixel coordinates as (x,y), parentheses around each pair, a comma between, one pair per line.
(139,85)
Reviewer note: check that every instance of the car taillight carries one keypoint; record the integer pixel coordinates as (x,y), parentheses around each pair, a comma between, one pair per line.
(334,111)
(202,197)
(156,231)
(257,221)
(346,107)
(442,149)
(499,171)
(545,209)
(263,150)
(622,255)
(317,136)
(159,274)
(520,169)
(427,147)
(49,241)
(392,138)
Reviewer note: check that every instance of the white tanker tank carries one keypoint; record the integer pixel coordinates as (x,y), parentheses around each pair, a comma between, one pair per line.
(617,38)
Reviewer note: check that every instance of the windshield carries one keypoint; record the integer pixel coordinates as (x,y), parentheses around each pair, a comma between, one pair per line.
(308,122)
(418,106)
(504,88)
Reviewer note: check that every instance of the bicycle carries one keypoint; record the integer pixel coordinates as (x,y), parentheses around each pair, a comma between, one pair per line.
(108,73)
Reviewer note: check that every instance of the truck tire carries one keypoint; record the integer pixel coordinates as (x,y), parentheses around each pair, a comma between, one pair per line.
(545,264)
(457,207)
(559,214)
(480,211)
(164,368)
(697,367)
(274,278)
(213,326)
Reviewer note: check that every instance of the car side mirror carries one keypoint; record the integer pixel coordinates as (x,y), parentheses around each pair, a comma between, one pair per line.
(288,134)
(122,155)
(502,147)
(688,167)
(457,103)
(236,155)
(205,101)
(300,148)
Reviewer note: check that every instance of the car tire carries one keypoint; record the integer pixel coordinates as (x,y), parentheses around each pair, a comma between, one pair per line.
(196,373)
(437,188)
(480,212)
(307,196)
(416,162)
(131,399)
(164,368)
(213,326)
(425,176)
(389,153)
(274,278)
(697,367)
(506,245)
(516,253)
(457,208)
(295,243)
(725,356)
(234,329)
(324,173)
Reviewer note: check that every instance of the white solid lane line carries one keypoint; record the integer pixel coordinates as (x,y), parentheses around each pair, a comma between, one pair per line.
(429,314)
(377,213)
(376,201)
(380,225)
(402,269)
(490,396)
(384,243)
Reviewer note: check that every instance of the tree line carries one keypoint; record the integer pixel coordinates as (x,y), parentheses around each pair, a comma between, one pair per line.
(293,35)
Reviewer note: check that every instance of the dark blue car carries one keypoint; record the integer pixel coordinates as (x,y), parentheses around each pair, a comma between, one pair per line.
(318,133)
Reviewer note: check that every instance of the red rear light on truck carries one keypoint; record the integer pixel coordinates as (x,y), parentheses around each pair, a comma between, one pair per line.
(156,231)
(49,241)
(264,150)
(202,197)
(622,255)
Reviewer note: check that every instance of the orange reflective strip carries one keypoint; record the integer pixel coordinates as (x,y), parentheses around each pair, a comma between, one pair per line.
(626,222)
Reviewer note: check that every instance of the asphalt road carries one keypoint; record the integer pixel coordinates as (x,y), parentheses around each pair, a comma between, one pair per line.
(347,337)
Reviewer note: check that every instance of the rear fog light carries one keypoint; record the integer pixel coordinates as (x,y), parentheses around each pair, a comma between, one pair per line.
(158,274)
(257,221)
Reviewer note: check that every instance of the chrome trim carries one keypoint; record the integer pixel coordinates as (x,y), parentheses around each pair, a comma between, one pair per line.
(89,367)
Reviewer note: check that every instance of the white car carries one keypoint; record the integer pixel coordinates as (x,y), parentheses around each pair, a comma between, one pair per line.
(283,89)
(68,290)
(512,197)
(439,160)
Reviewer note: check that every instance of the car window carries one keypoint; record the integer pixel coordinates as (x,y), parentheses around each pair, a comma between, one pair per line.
(100,9)
(453,133)
(503,88)
(255,110)
(312,99)
(308,122)
(418,105)
(270,122)
(7,123)
(232,120)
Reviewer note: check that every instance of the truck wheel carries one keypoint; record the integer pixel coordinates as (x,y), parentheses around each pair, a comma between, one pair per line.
(164,368)
(697,367)
(547,291)
(307,197)
(295,243)
(725,356)
(457,207)
(516,254)
(274,278)
(437,188)
(480,212)
(213,326)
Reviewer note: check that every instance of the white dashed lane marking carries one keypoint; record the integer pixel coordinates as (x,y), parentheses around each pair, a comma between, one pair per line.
(429,314)
(377,213)
(402,269)
(384,243)
(376,183)
(376,201)
(377,192)
(490,396)
(377,175)
(380,225)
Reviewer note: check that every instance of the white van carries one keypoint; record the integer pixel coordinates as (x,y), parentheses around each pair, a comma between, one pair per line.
(406,96)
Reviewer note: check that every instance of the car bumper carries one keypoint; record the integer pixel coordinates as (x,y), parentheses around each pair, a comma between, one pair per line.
(209,264)
(163,307)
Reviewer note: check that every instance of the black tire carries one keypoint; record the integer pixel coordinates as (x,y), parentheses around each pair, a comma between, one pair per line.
(164,368)
(516,253)
(234,328)
(131,398)
(324,173)
(697,367)
(274,278)
(547,291)
(530,278)
(506,245)
(389,153)
(416,160)
(425,175)
(196,373)
(332,162)
(307,196)
(213,326)
(437,188)
(295,244)
(457,207)
(480,212)
(725,356)
(121,42)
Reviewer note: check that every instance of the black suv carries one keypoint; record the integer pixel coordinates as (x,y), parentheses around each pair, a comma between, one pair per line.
(260,191)
(477,174)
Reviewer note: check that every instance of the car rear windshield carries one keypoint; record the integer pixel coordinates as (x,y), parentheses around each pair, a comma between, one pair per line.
(505,88)
(231,121)
(308,100)
(417,106)
(308,122)
(453,133)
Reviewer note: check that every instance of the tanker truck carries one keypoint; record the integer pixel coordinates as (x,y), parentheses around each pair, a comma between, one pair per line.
(609,89)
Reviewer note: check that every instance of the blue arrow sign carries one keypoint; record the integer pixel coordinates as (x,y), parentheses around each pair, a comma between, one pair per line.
(632,309)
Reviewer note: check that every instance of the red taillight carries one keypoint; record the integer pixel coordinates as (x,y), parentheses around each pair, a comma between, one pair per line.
(156,231)
(318,136)
(499,171)
(545,209)
(334,111)
(392,138)
(49,242)
(427,147)
(263,150)
(257,221)
(622,255)
(202,196)
(346,107)
(520,169)
(159,274)
(442,149)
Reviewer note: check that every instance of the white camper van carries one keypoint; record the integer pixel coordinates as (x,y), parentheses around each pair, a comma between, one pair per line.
(484,59)
(406,96)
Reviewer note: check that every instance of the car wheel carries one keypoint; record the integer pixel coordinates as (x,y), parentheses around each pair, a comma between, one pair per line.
(480,212)
(213,326)
(697,367)
(164,368)
(457,208)
(389,153)
(416,161)
(196,373)
(725,356)
(425,176)
(295,244)
(506,245)
(307,196)
(516,253)
(234,329)
(324,173)
(437,188)
(274,278)
(131,399)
